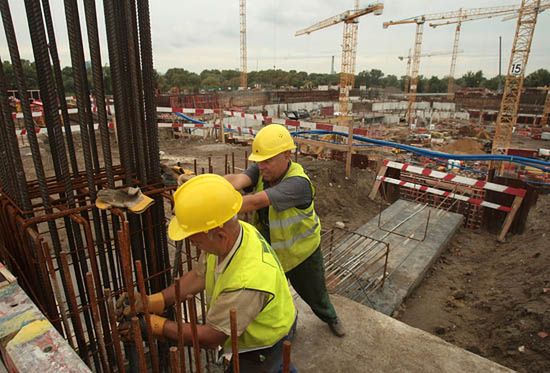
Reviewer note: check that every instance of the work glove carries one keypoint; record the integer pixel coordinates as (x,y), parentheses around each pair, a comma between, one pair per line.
(184,178)
(126,331)
(155,304)
(130,198)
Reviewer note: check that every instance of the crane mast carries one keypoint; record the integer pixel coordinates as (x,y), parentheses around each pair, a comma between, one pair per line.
(244,73)
(507,116)
(451,17)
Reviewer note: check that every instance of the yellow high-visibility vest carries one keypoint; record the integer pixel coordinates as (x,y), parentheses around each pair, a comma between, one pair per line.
(294,233)
(254,266)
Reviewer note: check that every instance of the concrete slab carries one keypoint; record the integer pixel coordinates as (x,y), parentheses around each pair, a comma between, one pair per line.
(376,343)
(409,259)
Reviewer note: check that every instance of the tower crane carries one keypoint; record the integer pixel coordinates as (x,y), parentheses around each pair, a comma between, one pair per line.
(453,16)
(349,45)
(409,59)
(244,74)
(508,114)
(544,5)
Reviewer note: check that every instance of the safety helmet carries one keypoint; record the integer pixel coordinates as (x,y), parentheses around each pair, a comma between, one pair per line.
(203,203)
(271,140)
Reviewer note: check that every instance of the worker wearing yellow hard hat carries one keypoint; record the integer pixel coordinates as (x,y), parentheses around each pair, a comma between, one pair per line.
(237,269)
(281,196)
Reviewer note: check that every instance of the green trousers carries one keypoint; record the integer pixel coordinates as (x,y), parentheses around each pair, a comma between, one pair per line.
(308,279)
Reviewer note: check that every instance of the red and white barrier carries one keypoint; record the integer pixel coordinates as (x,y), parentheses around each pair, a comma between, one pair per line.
(455,178)
(329,127)
(443,193)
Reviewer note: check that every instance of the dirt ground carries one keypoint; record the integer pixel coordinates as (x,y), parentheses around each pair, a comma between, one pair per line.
(491,299)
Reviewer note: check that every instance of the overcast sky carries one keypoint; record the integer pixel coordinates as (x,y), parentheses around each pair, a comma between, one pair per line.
(204,34)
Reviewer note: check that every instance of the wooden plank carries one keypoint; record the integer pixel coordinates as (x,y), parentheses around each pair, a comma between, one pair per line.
(510,218)
(378,182)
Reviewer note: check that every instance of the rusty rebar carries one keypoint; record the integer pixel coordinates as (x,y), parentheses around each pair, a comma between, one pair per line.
(150,337)
(194,333)
(179,322)
(97,325)
(114,330)
(57,292)
(174,365)
(226,165)
(234,340)
(73,307)
(286,356)
(138,341)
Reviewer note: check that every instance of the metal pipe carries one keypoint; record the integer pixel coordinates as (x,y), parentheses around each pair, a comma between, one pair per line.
(232,162)
(234,340)
(150,337)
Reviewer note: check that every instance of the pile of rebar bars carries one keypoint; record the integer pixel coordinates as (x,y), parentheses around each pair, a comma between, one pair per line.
(355,264)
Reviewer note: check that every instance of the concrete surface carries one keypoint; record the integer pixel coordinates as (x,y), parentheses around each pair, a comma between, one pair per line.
(28,341)
(376,343)
(409,259)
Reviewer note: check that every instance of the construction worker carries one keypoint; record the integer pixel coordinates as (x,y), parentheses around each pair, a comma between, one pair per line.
(237,268)
(284,213)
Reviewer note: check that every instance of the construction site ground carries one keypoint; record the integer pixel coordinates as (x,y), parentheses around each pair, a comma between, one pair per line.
(487,297)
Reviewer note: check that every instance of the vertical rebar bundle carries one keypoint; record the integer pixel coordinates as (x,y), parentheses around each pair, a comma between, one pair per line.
(41,208)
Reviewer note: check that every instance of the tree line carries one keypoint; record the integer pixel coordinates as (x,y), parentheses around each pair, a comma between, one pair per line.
(214,80)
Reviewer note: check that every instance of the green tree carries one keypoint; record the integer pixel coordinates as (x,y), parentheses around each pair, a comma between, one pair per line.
(29,72)
(471,79)
(539,78)
(494,83)
(181,78)
(68,80)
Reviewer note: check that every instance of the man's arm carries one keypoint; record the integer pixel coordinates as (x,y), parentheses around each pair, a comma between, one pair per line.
(190,283)
(256,201)
(208,336)
(239,181)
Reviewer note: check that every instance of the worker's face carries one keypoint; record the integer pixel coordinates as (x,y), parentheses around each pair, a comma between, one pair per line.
(274,168)
(213,242)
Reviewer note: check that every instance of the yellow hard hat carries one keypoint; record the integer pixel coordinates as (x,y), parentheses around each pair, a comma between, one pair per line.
(270,141)
(203,203)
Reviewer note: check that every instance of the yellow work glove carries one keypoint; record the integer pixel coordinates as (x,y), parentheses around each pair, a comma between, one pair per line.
(155,304)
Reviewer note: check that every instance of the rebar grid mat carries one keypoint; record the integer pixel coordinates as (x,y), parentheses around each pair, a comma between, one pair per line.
(473,214)
(355,264)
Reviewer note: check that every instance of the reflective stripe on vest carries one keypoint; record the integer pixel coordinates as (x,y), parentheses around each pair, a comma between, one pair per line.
(294,233)
(255,266)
